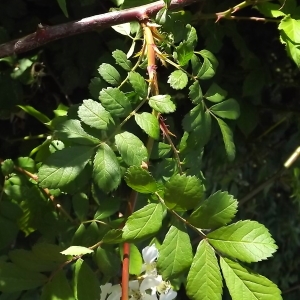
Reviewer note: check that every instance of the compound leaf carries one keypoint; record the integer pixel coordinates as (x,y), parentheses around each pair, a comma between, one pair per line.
(144,222)
(215,93)
(183,192)
(243,283)
(175,253)
(248,241)
(131,148)
(121,60)
(228,139)
(148,123)
(94,114)
(184,53)
(162,104)
(204,280)
(63,166)
(140,180)
(138,83)
(218,210)
(178,80)
(106,169)
(195,93)
(228,109)
(115,102)
(110,74)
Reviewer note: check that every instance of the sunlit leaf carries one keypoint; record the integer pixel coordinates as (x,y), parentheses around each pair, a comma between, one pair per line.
(162,104)
(291,28)
(138,83)
(149,123)
(248,241)
(228,109)
(184,53)
(215,93)
(77,250)
(121,60)
(195,93)
(110,74)
(178,80)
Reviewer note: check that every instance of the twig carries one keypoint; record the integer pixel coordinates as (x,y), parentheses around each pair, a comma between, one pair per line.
(46,34)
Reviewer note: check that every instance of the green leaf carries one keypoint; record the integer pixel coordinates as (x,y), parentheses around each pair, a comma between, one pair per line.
(29,261)
(184,53)
(160,150)
(175,253)
(143,223)
(115,102)
(136,261)
(140,180)
(131,148)
(183,192)
(107,208)
(123,29)
(215,93)
(58,288)
(218,210)
(228,109)
(63,166)
(106,169)
(243,283)
(96,85)
(72,130)
(63,6)
(121,60)
(86,285)
(7,167)
(107,261)
(195,93)
(270,10)
(110,74)
(94,114)
(149,123)
(162,104)
(114,236)
(248,241)
(139,84)
(293,50)
(209,65)
(49,252)
(77,250)
(80,202)
(178,80)
(15,279)
(191,36)
(204,280)
(291,28)
(228,139)
(35,113)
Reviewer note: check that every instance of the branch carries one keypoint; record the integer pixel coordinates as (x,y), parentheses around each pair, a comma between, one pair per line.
(46,34)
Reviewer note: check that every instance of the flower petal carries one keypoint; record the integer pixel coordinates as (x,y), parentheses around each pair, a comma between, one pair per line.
(149,283)
(150,254)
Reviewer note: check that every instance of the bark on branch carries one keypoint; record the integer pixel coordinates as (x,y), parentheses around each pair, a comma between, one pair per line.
(46,34)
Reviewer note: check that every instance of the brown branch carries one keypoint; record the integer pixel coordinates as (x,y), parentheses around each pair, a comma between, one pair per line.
(46,34)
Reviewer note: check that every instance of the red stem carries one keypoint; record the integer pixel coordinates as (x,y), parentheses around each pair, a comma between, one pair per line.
(47,34)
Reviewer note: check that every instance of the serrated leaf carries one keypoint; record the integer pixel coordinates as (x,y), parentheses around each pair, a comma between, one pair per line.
(115,102)
(160,150)
(175,253)
(149,123)
(183,192)
(228,109)
(293,50)
(291,28)
(204,280)
(143,223)
(227,138)
(77,250)
(191,36)
(215,93)
(94,114)
(195,93)
(15,279)
(209,65)
(106,169)
(72,130)
(184,53)
(178,80)
(140,180)
(248,241)
(217,210)
(110,74)
(131,148)
(63,166)
(114,236)
(86,285)
(121,60)
(162,104)
(58,288)
(123,29)
(243,282)
(139,84)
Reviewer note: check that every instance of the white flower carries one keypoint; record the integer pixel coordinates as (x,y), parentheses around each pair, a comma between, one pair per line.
(115,291)
(170,295)
(150,254)
(146,290)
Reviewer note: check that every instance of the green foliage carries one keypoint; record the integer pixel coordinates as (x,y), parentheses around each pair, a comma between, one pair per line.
(110,168)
